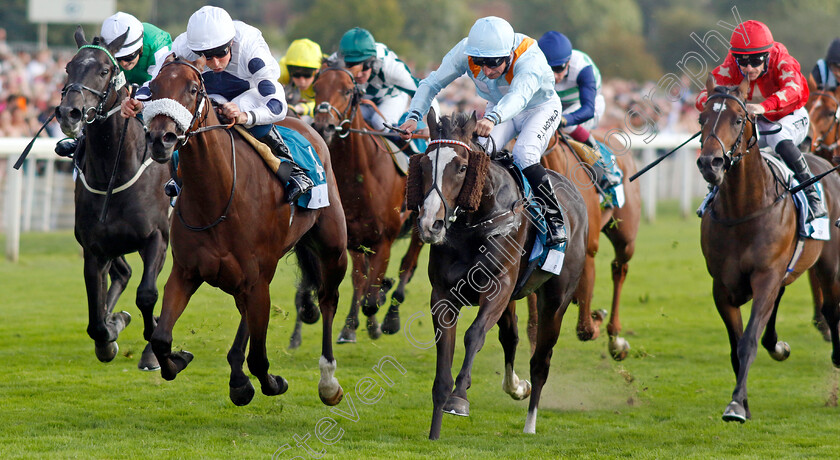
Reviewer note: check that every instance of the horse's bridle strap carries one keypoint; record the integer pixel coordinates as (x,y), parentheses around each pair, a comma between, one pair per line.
(452,142)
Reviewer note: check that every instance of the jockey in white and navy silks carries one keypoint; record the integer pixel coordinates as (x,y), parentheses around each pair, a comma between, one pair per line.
(827,70)
(382,77)
(511,73)
(241,75)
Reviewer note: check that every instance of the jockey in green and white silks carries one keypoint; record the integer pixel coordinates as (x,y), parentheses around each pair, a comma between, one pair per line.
(512,74)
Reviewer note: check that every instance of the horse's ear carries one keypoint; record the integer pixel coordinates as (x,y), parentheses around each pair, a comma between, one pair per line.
(414,184)
(80,37)
(117,43)
(434,127)
(710,84)
(744,88)
(470,197)
(469,126)
(169,58)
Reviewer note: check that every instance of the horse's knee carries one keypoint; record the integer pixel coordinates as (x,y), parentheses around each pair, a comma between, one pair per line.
(146,299)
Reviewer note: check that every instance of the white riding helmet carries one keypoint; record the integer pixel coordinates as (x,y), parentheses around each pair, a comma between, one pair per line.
(116,25)
(490,37)
(208,28)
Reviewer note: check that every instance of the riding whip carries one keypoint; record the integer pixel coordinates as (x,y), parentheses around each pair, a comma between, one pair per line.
(813,180)
(110,189)
(23,155)
(656,161)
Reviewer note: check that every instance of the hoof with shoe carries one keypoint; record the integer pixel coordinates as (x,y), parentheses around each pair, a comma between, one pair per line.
(735,413)
(181,359)
(347,335)
(333,400)
(294,341)
(457,405)
(106,352)
(374,331)
(391,322)
(148,360)
(619,348)
(781,351)
(280,386)
(243,395)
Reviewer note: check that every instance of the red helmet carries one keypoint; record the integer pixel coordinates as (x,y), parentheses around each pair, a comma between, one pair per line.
(751,37)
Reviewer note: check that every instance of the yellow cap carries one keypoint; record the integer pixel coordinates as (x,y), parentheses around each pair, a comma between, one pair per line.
(304,53)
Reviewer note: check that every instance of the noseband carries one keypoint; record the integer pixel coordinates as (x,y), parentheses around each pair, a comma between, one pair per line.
(730,154)
(99,113)
(177,112)
(450,215)
(343,126)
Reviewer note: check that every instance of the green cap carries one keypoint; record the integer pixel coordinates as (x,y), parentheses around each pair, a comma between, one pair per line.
(357,45)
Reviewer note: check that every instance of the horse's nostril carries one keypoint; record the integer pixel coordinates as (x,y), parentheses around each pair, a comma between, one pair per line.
(717,162)
(438,225)
(170,138)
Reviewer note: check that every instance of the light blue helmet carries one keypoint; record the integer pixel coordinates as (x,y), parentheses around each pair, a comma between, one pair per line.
(556,47)
(490,37)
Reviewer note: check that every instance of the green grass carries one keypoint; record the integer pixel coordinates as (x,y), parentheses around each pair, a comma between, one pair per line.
(664,401)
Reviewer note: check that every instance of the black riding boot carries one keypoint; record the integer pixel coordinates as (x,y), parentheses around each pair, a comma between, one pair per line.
(295,178)
(794,160)
(540,183)
(604,177)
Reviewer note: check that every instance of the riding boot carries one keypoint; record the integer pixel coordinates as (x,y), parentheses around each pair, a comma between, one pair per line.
(604,176)
(295,178)
(590,141)
(794,160)
(543,191)
(68,147)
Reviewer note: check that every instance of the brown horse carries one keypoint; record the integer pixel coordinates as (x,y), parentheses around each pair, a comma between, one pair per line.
(233,224)
(749,238)
(372,193)
(620,225)
(137,216)
(473,214)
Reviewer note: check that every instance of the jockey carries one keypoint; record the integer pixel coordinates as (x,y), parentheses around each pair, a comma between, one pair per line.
(241,75)
(297,73)
(512,74)
(382,77)
(826,72)
(140,57)
(578,84)
(778,91)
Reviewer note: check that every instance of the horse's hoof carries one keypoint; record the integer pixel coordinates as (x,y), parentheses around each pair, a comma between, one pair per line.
(457,405)
(121,320)
(279,382)
(391,322)
(148,360)
(599,315)
(824,330)
(332,400)
(619,348)
(347,336)
(310,314)
(181,359)
(107,351)
(734,413)
(781,352)
(243,395)
(294,341)
(523,391)
(370,310)
(374,331)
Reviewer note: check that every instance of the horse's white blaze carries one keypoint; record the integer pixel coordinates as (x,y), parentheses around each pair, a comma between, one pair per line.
(433,202)
(531,422)
(328,385)
(513,386)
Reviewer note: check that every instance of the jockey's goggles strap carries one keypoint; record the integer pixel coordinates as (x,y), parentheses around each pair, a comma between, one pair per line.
(450,141)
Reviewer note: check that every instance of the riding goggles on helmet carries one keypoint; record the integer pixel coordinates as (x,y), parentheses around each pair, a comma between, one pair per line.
(218,52)
(367,64)
(559,68)
(130,57)
(301,72)
(490,62)
(755,60)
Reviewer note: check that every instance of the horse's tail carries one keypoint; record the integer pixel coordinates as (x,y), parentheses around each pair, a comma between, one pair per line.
(310,267)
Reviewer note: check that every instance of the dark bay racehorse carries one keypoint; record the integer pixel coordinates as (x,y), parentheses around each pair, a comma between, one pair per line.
(620,225)
(372,193)
(749,238)
(137,214)
(233,224)
(472,213)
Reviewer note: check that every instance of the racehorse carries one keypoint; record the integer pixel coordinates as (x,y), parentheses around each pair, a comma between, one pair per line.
(619,224)
(472,213)
(749,238)
(372,193)
(824,133)
(233,225)
(136,218)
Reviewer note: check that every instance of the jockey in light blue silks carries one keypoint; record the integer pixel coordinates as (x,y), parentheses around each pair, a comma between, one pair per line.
(512,74)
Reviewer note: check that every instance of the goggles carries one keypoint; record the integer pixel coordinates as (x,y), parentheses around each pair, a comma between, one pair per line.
(491,62)
(365,64)
(301,72)
(131,56)
(755,60)
(218,52)
(559,68)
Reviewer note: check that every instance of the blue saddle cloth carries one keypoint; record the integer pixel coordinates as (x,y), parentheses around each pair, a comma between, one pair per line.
(306,157)
(613,196)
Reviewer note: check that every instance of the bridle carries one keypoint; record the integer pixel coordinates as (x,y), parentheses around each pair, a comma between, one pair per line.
(450,215)
(817,143)
(344,121)
(117,82)
(731,155)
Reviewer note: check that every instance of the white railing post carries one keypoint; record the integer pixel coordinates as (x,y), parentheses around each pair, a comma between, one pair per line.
(31,167)
(49,185)
(649,185)
(14,188)
(687,166)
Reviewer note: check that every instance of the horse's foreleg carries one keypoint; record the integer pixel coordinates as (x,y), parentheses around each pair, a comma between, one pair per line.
(551,313)
(831,312)
(391,322)
(119,273)
(360,280)
(333,267)
(176,293)
(375,294)
(588,327)
(779,351)
(533,314)
(509,338)
(241,390)
(256,304)
(153,255)
(445,321)
(816,292)
(624,250)
(103,326)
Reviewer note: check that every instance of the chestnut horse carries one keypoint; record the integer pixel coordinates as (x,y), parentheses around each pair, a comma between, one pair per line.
(233,225)
(620,225)
(137,216)
(749,238)
(473,214)
(372,193)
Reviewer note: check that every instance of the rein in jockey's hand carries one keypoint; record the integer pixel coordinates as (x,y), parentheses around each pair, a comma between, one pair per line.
(755,109)
(230,111)
(484,126)
(407,128)
(130,108)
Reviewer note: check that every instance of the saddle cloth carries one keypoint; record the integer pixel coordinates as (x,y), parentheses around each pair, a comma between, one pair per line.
(304,155)
(817,229)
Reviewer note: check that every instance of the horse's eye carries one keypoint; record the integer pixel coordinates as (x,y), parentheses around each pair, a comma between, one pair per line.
(348,92)
(738,121)
(463,168)
(194,90)
(701,120)
(104,72)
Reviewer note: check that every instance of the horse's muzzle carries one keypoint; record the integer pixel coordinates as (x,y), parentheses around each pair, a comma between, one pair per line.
(70,120)
(161,144)
(431,232)
(711,167)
